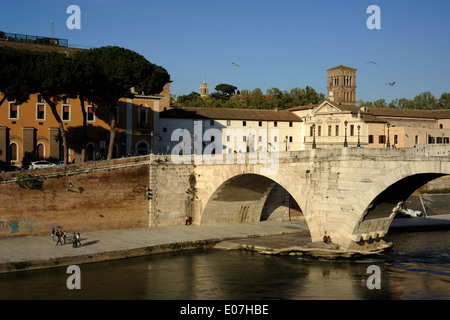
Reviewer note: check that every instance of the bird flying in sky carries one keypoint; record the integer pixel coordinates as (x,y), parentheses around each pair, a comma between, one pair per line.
(390,84)
(371,62)
(235,64)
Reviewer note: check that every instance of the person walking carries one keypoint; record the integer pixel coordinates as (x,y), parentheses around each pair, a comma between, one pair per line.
(78,239)
(64,236)
(187,219)
(53,234)
(74,241)
(59,236)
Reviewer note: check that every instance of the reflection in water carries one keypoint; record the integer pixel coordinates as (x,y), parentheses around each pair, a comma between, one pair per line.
(417,268)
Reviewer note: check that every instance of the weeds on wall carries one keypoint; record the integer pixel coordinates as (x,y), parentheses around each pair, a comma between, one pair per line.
(30,181)
(192,191)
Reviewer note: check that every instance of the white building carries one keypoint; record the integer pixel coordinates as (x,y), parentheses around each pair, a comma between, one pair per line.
(204,130)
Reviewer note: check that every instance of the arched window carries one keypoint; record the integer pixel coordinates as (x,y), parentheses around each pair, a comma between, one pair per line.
(14,151)
(40,150)
(142,148)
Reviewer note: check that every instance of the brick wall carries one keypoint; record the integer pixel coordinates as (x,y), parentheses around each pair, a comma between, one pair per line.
(98,200)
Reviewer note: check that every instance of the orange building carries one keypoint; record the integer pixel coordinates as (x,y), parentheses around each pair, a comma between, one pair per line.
(31,126)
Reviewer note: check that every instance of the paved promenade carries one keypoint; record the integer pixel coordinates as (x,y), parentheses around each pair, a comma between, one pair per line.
(31,252)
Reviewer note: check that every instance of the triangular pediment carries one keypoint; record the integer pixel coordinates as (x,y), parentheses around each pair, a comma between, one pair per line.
(326,107)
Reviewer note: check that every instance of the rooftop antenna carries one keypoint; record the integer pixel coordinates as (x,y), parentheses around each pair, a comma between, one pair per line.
(53,30)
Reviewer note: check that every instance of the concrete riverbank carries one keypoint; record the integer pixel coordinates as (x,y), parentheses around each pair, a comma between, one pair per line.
(36,252)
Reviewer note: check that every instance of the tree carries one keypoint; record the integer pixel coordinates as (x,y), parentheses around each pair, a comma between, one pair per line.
(444,101)
(14,81)
(227,90)
(117,70)
(425,100)
(53,79)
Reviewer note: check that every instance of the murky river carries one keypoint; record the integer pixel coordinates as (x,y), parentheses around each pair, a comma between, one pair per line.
(418,267)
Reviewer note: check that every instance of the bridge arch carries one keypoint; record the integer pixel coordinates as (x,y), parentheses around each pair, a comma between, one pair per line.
(250,197)
(381,203)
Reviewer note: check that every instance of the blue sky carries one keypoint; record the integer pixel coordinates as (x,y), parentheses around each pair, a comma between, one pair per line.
(283,44)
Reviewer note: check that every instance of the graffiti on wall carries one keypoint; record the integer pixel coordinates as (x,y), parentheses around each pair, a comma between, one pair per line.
(15,226)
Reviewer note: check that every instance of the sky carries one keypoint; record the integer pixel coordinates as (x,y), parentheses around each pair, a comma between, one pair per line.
(283,44)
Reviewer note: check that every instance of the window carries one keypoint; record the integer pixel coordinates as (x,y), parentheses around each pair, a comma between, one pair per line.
(244,123)
(352,130)
(275,124)
(143,123)
(439,140)
(165,129)
(40,99)
(13,111)
(290,139)
(382,139)
(311,131)
(319,131)
(228,138)
(228,123)
(370,138)
(211,123)
(290,124)
(260,139)
(40,112)
(275,139)
(395,139)
(337,131)
(431,140)
(90,113)
(142,148)
(66,100)
(66,113)
(329,131)
(416,140)
(260,123)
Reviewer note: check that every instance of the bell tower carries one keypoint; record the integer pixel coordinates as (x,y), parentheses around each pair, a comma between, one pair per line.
(204,89)
(341,85)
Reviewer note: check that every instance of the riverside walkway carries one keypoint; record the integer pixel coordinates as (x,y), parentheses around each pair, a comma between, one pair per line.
(35,252)
(40,251)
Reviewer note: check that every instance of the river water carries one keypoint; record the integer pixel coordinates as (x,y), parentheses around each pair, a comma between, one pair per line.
(418,267)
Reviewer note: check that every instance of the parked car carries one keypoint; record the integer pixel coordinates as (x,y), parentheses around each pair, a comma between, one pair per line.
(40,165)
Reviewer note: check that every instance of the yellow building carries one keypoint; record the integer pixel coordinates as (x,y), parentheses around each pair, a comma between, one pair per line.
(31,127)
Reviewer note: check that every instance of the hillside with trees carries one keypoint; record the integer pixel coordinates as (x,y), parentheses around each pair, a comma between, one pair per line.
(227,96)
(423,101)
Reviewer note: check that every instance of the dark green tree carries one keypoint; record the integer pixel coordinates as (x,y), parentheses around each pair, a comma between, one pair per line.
(116,71)
(226,90)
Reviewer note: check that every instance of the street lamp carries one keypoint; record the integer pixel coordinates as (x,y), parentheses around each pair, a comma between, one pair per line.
(388,144)
(314,136)
(359,144)
(286,140)
(345,140)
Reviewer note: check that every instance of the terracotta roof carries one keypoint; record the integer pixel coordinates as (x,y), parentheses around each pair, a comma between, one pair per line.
(229,114)
(341,67)
(298,108)
(395,112)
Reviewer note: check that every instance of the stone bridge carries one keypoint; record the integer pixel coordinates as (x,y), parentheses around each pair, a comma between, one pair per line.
(352,194)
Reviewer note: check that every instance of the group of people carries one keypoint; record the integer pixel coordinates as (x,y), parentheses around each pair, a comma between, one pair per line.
(326,238)
(61,236)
